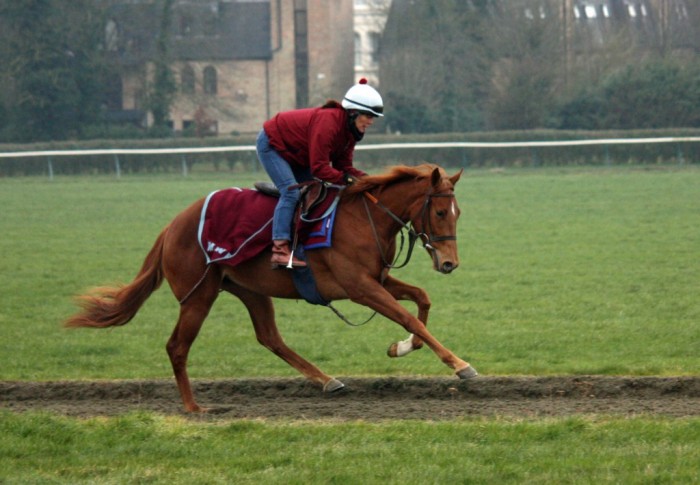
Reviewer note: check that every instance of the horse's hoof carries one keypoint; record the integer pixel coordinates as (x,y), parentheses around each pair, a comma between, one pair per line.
(196,409)
(399,349)
(333,385)
(467,373)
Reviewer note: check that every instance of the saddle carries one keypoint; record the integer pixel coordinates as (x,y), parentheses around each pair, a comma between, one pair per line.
(318,200)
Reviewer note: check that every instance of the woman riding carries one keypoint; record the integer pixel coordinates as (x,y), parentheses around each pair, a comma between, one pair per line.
(299,145)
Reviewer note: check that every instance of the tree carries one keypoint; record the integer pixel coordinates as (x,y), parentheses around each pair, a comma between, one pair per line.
(55,65)
(164,86)
(465,65)
(525,69)
(654,94)
(434,65)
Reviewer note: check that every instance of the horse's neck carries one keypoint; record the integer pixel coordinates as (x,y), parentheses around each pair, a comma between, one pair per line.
(401,200)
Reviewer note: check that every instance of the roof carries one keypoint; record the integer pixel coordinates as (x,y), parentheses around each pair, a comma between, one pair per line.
(200,30)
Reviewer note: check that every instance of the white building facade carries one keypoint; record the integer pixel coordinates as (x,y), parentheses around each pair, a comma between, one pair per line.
(369,20)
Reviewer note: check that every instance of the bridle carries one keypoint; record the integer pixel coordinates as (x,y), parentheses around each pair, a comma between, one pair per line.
(425,234)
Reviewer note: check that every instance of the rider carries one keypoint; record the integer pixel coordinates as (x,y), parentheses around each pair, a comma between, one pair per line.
(296,146)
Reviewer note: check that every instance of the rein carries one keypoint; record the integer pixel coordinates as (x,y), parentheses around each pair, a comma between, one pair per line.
(412,235)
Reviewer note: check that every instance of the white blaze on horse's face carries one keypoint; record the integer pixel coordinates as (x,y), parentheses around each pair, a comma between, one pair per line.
(444,233)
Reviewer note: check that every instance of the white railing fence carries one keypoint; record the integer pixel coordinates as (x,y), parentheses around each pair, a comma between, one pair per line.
(679,149)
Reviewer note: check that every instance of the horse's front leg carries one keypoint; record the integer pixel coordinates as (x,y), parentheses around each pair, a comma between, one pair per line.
(403,291)
(367,291)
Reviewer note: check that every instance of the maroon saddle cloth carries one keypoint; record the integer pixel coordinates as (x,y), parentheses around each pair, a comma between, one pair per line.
(236,224)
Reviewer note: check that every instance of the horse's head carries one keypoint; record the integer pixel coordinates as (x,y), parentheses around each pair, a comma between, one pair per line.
(436,220)
(421,198)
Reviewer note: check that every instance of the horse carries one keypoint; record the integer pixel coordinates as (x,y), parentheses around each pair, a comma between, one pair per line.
(371,213)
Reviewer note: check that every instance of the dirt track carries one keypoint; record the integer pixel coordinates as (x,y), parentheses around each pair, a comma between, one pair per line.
(368,399)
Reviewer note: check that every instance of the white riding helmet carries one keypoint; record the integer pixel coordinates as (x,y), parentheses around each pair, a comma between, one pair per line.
(364,98)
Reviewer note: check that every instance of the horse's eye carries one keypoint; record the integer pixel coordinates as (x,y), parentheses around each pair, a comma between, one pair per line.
(441,213)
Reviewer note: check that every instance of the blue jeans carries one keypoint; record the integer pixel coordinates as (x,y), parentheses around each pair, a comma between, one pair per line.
(282,174)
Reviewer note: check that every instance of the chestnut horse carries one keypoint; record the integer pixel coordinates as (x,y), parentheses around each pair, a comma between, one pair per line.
(370,214)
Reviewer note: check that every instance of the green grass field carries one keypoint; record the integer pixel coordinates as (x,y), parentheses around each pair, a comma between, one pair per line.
(143,448)
(563,271)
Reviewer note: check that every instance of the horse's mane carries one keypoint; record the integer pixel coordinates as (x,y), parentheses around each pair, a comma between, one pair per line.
(395,174)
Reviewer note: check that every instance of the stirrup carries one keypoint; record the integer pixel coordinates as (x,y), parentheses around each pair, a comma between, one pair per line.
(286,259)
(292,263)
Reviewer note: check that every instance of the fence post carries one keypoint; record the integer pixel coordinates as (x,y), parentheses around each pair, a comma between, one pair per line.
(184,165)
(117,168)
(535,158)
(50,169)
(465,158)
(679,154)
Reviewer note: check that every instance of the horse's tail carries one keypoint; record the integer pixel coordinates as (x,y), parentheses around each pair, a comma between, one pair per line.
(114,306)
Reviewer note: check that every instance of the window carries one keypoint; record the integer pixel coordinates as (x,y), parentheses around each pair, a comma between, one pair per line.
(577,12)
(114,93)
(606,11)
(210,82)
(591,11)
(374,39)
(358,49)
(541,12)
(632,10)
(111,35)
(185,25)
(187,80)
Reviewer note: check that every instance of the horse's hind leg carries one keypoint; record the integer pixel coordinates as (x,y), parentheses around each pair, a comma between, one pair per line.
(262,313)
(192,315)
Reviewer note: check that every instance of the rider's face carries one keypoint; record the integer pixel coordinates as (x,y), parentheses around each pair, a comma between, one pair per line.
(363,121)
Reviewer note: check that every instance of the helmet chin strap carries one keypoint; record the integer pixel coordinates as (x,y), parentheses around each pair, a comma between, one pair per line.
(352,116)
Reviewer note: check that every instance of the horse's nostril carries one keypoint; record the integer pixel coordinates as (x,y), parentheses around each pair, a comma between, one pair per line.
(447,267)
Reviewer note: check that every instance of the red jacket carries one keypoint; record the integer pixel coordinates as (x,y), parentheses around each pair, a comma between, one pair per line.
(318,138)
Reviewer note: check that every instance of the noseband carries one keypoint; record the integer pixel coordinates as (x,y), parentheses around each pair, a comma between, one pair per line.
(426,235)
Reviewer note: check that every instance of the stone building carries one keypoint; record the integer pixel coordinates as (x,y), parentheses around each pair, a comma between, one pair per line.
(235,62)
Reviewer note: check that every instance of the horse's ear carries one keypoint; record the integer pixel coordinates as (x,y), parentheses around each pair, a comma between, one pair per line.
(455,178)
(435,177)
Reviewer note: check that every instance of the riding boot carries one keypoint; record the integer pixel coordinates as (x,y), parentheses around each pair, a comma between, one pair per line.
(282,257)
